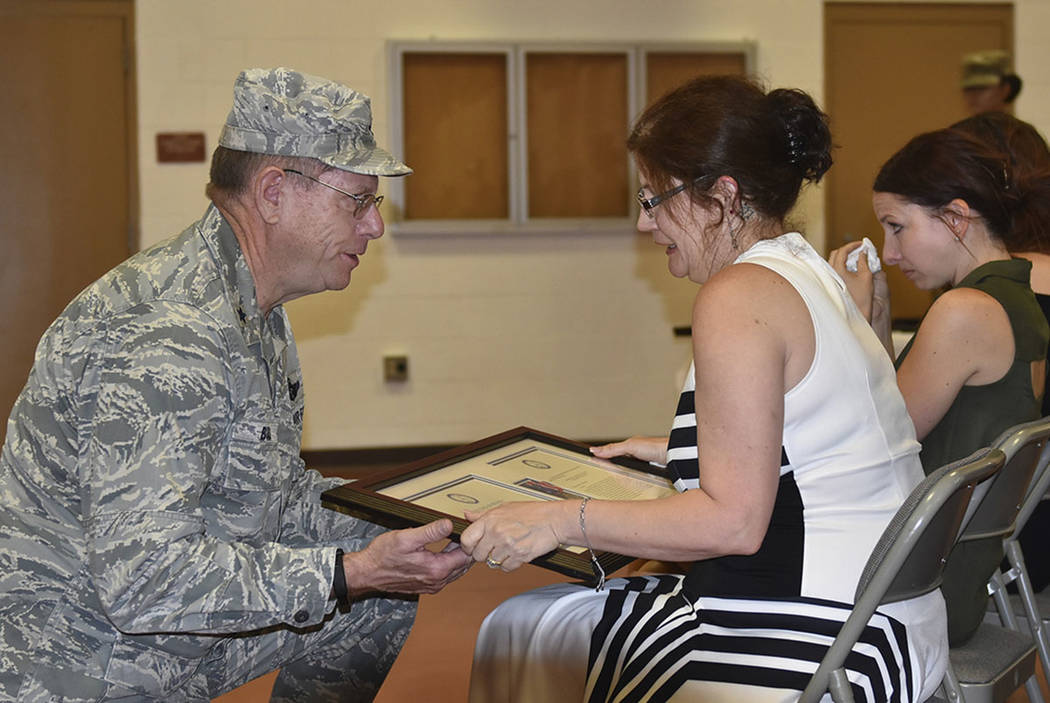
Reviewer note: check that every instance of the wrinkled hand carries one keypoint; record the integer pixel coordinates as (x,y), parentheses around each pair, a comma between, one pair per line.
(513,534)
(399,562)
(880,303)
(861,284)
(652,449)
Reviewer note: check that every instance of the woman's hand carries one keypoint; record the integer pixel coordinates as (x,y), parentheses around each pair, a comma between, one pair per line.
(861,283)
(513,534)
(880,310)
(870,291)
(653,449)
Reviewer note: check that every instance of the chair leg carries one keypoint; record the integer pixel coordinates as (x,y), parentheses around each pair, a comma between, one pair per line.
(1024,588)
(950,686)
(1031,687)
(1035,621)
(997,589)
(838,685)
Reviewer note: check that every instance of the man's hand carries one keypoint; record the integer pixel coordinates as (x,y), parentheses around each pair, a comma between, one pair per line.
(399,562)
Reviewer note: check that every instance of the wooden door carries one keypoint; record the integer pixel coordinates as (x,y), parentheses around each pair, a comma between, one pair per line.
(892,71)
(67,185)
(665,70)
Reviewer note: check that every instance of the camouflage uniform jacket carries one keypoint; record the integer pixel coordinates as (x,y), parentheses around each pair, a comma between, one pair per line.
(151,481)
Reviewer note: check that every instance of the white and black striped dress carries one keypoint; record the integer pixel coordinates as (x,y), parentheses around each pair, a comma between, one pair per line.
(752,628)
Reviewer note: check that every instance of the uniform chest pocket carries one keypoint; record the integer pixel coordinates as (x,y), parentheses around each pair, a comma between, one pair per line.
(247,497)
(253,458)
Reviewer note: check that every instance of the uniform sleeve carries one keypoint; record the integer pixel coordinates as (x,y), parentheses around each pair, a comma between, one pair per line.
(159,429)
(307,522)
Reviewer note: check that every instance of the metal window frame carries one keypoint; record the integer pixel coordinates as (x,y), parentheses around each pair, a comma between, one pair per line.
(516,52)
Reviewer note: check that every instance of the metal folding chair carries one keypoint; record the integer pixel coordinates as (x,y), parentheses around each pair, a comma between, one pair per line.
(1026,602)
(907,561)
(996,660)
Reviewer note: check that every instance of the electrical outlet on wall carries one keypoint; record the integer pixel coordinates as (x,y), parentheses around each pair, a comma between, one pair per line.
(395,368)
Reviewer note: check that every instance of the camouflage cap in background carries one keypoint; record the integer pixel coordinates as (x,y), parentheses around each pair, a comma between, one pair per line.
(984,68)
(283,112)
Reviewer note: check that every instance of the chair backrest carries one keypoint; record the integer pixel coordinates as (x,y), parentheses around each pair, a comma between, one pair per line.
(1036,490)
(994,510)
(908,559)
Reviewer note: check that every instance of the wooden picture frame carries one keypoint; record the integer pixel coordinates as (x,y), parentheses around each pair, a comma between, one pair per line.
(520,464)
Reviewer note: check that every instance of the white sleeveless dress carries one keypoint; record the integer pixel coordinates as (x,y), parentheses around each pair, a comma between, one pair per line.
(752,628)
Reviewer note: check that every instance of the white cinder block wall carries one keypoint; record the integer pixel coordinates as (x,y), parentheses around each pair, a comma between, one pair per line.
(570,333)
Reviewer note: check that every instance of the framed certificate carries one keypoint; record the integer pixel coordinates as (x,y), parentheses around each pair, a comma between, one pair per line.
(522,464)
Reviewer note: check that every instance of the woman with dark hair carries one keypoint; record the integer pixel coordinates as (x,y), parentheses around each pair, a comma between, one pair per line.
(952,208)
(1030,157)
(1020,143)
(791,450)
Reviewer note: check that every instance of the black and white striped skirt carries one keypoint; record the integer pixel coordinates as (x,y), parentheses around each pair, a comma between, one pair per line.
(643,639)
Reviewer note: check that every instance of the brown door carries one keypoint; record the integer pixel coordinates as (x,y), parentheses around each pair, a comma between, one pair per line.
(892,71)
(67,186)
(665,71)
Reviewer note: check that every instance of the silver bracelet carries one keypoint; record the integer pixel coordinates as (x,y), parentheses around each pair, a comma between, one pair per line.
(587,543)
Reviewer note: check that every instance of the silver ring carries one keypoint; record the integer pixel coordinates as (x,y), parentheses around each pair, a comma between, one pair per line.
(492,563)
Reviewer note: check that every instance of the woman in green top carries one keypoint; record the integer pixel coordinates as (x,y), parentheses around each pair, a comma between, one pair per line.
(950,207)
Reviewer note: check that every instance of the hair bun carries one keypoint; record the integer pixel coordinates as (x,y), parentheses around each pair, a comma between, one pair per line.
(712,126)
(807,137)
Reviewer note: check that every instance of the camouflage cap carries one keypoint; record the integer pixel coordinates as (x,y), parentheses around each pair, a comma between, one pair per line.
(985,68)
(287,113)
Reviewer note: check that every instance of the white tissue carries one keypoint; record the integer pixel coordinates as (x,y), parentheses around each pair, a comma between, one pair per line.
(873,257)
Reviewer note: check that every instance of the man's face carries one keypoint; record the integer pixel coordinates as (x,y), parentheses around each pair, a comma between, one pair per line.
(322,238)
(986,98)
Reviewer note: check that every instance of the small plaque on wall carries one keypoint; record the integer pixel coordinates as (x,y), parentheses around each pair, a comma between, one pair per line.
(180,147)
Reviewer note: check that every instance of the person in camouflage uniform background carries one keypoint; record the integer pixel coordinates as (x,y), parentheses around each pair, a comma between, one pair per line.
(160,536)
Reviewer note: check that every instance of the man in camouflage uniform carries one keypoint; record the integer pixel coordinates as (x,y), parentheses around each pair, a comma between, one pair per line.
(159,535)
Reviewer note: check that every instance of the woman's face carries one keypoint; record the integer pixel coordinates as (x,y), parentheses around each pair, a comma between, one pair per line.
(919,242)
(680,225)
